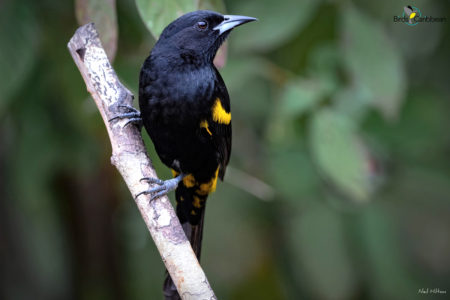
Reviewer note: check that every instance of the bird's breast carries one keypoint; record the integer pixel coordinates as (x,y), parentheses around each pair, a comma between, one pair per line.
(180,96)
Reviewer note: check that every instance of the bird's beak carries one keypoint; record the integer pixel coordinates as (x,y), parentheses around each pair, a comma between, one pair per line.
(231,21)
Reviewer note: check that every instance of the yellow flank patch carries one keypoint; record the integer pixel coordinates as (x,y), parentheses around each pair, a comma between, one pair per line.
(189,181)
(204,124)
(193,212)
(174,173)
(181,199)
(208,187)
(197,202)
(219,114)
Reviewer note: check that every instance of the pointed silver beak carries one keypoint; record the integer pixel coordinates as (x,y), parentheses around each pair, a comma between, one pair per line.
(231,21)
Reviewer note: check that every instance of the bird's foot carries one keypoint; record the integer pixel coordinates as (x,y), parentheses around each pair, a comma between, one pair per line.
(130,113)
(162,188)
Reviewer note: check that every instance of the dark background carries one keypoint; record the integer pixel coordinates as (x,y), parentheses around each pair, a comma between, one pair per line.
(339,186)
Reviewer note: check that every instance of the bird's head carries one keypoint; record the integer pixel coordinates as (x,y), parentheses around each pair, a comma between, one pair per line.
(199,33)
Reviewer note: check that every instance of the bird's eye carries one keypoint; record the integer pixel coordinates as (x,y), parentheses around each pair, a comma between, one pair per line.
(202,25)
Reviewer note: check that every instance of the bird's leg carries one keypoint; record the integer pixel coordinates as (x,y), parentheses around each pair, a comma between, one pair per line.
(164,186)
(131,113)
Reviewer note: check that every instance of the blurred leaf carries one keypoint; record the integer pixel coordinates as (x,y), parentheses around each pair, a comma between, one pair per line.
(382,8)
(420,137)
(292,172)
(103,14)
(240,70)
(340,154)
(19,34)
(157,14)
(281,130)
(215,5)
(372,61)
(324,60)
(322,262)
(300,96)
(352,101)
(278,21)
(323,65)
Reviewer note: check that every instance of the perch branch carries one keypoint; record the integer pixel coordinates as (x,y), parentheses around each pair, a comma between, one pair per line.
(130,158)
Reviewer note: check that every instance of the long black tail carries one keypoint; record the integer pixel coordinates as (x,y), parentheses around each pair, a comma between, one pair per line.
(191,212)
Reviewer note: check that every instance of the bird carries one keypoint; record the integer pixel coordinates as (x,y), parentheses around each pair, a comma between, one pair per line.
(410,12)
(185,108)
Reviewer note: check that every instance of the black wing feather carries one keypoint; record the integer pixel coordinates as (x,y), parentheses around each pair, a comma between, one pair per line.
(221,133)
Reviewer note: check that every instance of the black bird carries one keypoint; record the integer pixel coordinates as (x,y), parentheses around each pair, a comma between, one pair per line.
(185,109)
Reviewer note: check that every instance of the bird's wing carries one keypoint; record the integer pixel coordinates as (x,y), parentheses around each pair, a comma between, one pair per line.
(218,129)
(217,125)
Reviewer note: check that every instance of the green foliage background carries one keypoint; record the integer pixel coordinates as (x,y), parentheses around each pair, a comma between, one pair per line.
(341,111)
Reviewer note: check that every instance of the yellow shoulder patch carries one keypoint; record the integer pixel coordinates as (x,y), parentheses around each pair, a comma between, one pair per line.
(204,124)
(219,114)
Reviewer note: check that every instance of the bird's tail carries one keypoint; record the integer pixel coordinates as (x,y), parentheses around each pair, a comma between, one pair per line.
(191,201)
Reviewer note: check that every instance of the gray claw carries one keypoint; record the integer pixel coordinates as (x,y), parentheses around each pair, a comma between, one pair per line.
(153,180)
(137,121)
(131,113)
(157,189)
(125,116)
(158,195)
(141,193)
(163,188)
(129,107)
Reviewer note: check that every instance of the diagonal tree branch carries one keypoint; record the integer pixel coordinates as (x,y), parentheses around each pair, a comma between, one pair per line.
(130,158)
